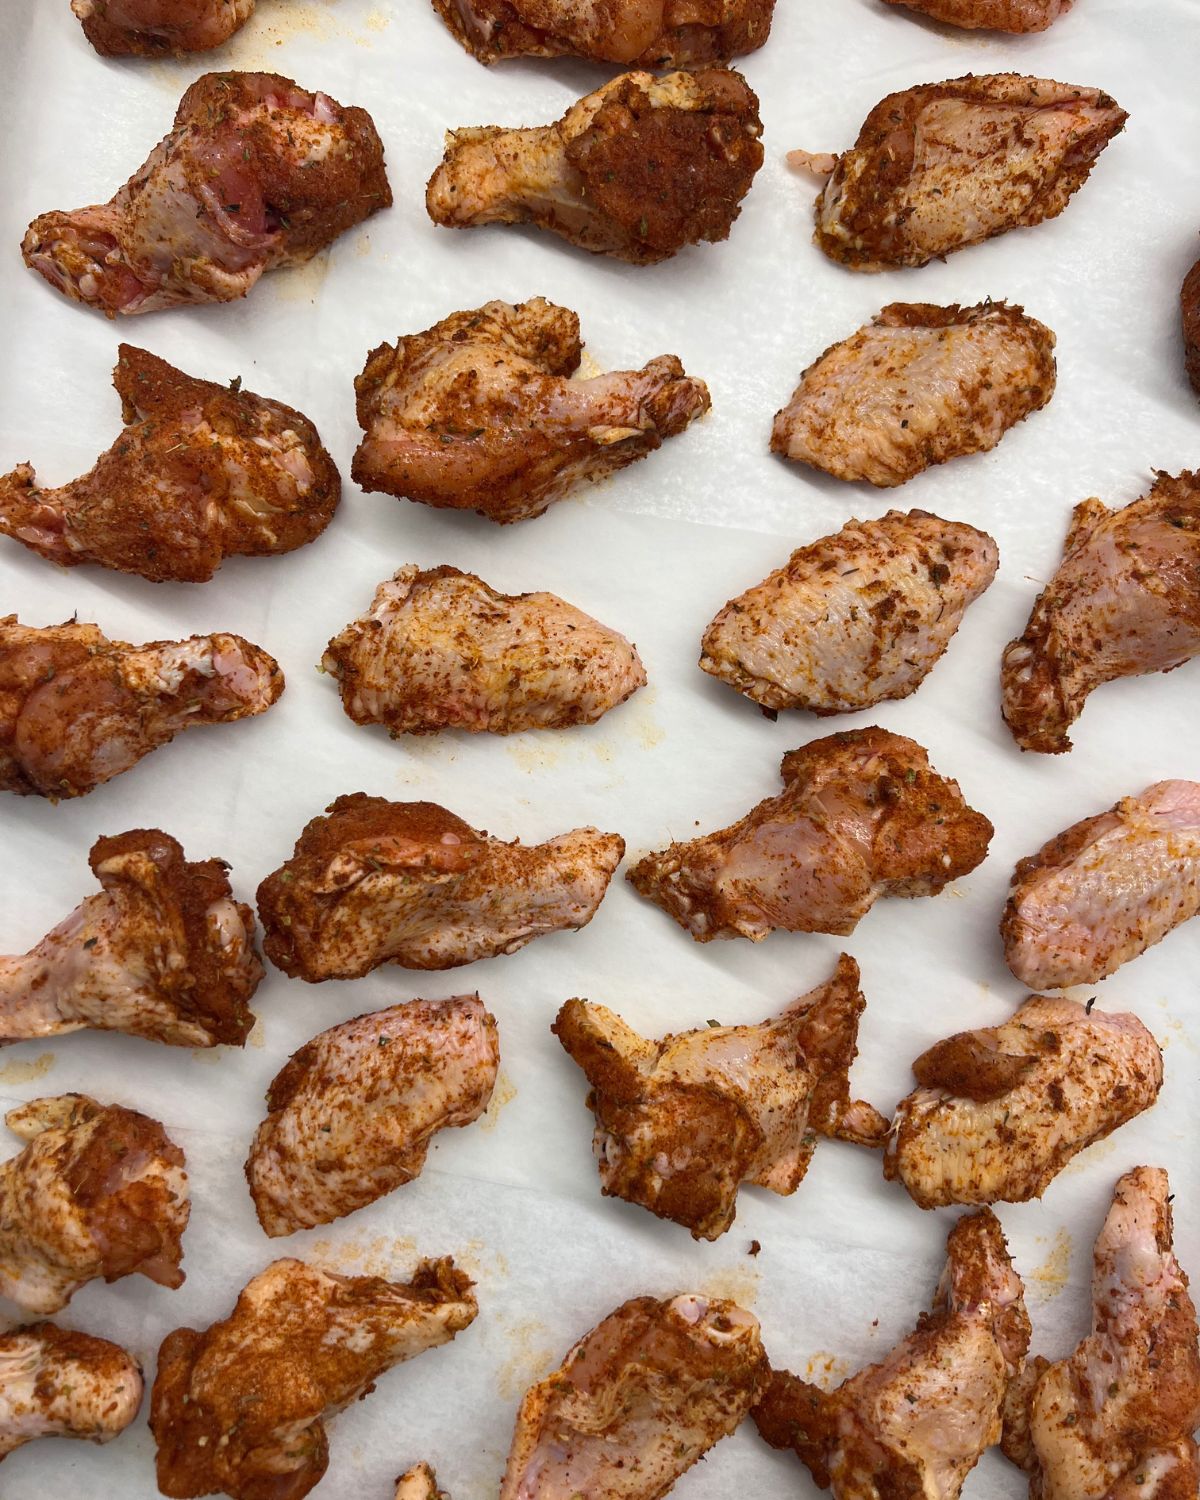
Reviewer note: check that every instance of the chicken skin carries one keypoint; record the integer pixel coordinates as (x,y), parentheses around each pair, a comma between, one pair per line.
(98,1191)
(638,1401)
(917,386)
(637,170)
(1114,1421)
(256,173)
(240,1409)
(946,165)
(682,1122)
(77,709)
(862,815)
(419,1483)
(479,413)
(352,1113)
(56,1383)
(1001,1111)
(852,619)
(158,28)
(1016,16)
(1190,308)
(163,951)
(375,882)
(918,1422)
(1125,601)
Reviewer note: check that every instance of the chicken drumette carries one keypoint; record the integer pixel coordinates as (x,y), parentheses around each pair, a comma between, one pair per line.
(1190,308)
(419,1483)
(637,170)
(257,173)
(157,28)
(946,165)
(1016,16)
(478,413)
(861,815)
(1124,601)
(918,385)
(56,1383)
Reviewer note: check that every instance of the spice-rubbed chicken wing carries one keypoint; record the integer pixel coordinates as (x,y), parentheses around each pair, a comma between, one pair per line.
(918,1422)
(861,815)
(419,1483)
(638,1401)
(157,28)
(637,170)
(375,882)
(240,1409)
(682,1122)
(257,173)
(946,165)
(918,385)
(854,618)
(77,709)
(1000,1111)
(1015,16)
(56,1383)
(1190,308)
(478,413)
(1125,601)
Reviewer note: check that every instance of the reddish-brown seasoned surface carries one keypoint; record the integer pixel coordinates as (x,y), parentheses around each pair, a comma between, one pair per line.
(158,28)
(55,1382)
(1190,308)
(1017,16)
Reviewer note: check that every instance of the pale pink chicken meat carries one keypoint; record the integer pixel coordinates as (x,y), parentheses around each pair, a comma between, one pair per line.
(1017,16)
(58,1383)
(159,28)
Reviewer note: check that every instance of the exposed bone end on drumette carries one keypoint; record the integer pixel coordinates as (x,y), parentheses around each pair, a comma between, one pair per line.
(419,1483)
(241,1407)
(158,28)
(637,170)
(638,1401)
(1190,309)
(58,1383)
(1015,16)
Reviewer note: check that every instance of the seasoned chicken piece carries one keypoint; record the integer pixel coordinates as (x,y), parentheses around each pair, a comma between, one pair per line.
(477,413)
(637,170)
(57,1383)
(1125,601)
(408,883)
(240,1409)
(682,1122)
(1114,1421)
(1001,1111)
(257,173)
(420,1483)
(440,649)
(98,1191)
(946,165)
(77,709)
(918,385)
(201,472)
(852,619)
(162,952)
(861,815)
(157,28)
(1190,307)
(918,1422)
(1015,16)
(638,1401)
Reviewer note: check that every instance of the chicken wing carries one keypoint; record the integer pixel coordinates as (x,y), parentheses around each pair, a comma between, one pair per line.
(1017,16)
(638,1401)
(201,472)
(1114,1421)
(682,1122)
(1125,601)
(408,883)
(1190,308)
(478,413)
(946,165)
(241,1407)
(98,1191)
(56,1383)
(419,1483)
(917,386)
(918,1422)
(256,173)
(852,619)
(77,709)
(637,170)
(861,815)
(157,28)
(1001,1111)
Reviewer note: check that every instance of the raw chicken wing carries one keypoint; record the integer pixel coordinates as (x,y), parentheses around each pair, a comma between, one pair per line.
(157,28)
(56,1383)
(1190,307)
(420,1483)
(1015,16)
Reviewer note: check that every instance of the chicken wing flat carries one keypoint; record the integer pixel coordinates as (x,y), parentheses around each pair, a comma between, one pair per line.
(1125,601)
(861,815)
(1190,308)
(256,173)
(478,413)
(852,619)
(419,1483)
(158,28)
(918,1422)
(56,1383)
(682,1122)
(352,1113)
(638,1401)
(1000,1111)
(637,170)
(1016,16)
(1114,1421)
(240,1409)
(201,472)
(408,883)
(917,386)
(946,165)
